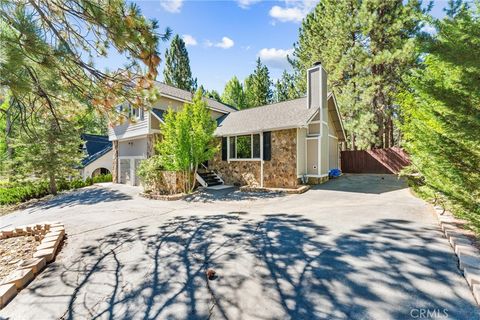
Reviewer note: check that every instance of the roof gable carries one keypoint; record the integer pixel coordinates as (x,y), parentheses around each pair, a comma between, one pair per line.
(186,96)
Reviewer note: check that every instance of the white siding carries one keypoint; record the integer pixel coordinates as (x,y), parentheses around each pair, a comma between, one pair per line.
(105,161)
(301,151)
(133,148)
(312,156)
(130,129)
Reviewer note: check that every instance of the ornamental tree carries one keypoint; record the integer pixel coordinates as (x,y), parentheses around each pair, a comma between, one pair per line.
(187,139)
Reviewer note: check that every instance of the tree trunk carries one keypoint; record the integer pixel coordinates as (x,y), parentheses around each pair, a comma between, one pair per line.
(52,183)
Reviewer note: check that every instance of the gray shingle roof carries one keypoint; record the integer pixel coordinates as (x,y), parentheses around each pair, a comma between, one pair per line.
(173,92)
(282,115)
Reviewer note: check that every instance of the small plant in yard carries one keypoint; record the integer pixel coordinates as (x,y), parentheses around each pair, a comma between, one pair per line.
(187,142)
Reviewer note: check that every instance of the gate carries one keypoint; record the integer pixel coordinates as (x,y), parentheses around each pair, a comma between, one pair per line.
(388,160)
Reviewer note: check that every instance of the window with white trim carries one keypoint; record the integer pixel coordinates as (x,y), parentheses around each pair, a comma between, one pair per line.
(245,147)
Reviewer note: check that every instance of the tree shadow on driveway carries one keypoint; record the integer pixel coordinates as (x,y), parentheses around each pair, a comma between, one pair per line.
(230,194)
(84,196)
(277,267)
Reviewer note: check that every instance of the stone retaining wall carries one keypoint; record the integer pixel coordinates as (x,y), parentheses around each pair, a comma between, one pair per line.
(51,235)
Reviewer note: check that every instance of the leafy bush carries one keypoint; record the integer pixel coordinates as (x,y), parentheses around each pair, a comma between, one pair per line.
(149,172)
(102,178)
(13,194)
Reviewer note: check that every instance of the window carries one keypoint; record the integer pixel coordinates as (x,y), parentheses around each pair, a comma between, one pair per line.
(245,147)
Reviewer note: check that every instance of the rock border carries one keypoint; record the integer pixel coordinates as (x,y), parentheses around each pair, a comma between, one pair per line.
(299,190)
(166,197)
(51,235)
(467,254)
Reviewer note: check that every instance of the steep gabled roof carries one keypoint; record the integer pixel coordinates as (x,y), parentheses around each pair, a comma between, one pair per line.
(176,93)
(95,147)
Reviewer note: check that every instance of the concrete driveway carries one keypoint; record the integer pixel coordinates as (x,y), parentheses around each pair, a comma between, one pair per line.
(360,247)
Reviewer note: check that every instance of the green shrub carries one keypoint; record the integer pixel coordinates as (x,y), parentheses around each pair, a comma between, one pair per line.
(17,193)
(102,178)
(13,193)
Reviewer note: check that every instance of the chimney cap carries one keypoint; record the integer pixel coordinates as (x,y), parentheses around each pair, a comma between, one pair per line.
(317,63)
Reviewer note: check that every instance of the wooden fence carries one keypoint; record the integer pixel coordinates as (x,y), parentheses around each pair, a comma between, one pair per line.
(389,160)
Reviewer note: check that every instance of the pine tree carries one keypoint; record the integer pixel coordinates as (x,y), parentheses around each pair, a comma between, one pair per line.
(177,71)
(390,29)
(213,94)
(441,114)
(44,36)
(233,94)
(257,86)
(49,150)
(365,46)
(285,88)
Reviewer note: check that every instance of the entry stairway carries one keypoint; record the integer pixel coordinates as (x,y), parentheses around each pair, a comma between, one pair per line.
(208,178)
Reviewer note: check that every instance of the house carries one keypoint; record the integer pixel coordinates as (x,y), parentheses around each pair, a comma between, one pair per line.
(277,145)
(283,144)
(134,140)
(98,156)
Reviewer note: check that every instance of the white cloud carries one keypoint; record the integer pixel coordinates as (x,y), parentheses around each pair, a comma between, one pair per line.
(245,4)
(293,11)
(275,58)
(189,40)
(226,43)
(172,6)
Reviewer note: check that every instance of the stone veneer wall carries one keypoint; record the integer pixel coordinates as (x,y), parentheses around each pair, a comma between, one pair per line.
(115,161)
(151,142)
(279,172)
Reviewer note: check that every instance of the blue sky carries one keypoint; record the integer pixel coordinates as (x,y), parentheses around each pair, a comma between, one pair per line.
(224,38)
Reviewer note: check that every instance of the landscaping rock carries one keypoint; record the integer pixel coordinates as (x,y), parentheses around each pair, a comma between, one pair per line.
(466,259)
(36,264)
(472,275)
(20,278)
(48,254)
(7,292)
(476,292)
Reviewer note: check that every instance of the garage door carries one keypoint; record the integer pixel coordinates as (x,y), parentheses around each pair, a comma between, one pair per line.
(137,164)
(125,171)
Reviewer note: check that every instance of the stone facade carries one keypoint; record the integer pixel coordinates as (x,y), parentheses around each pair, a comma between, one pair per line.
(151,142)
(115,161)
(279,172)
(167,182)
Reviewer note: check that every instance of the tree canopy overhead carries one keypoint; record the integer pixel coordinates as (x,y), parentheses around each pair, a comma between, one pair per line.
(49,46)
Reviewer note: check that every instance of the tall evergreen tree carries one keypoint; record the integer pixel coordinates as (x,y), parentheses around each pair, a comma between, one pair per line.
(257,86)
(285,88)
(441,113)
(233,94)
(365,46)
(177,66)
(390,29)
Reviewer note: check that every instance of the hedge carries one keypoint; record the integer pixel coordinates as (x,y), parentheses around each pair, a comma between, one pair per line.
(13,193)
